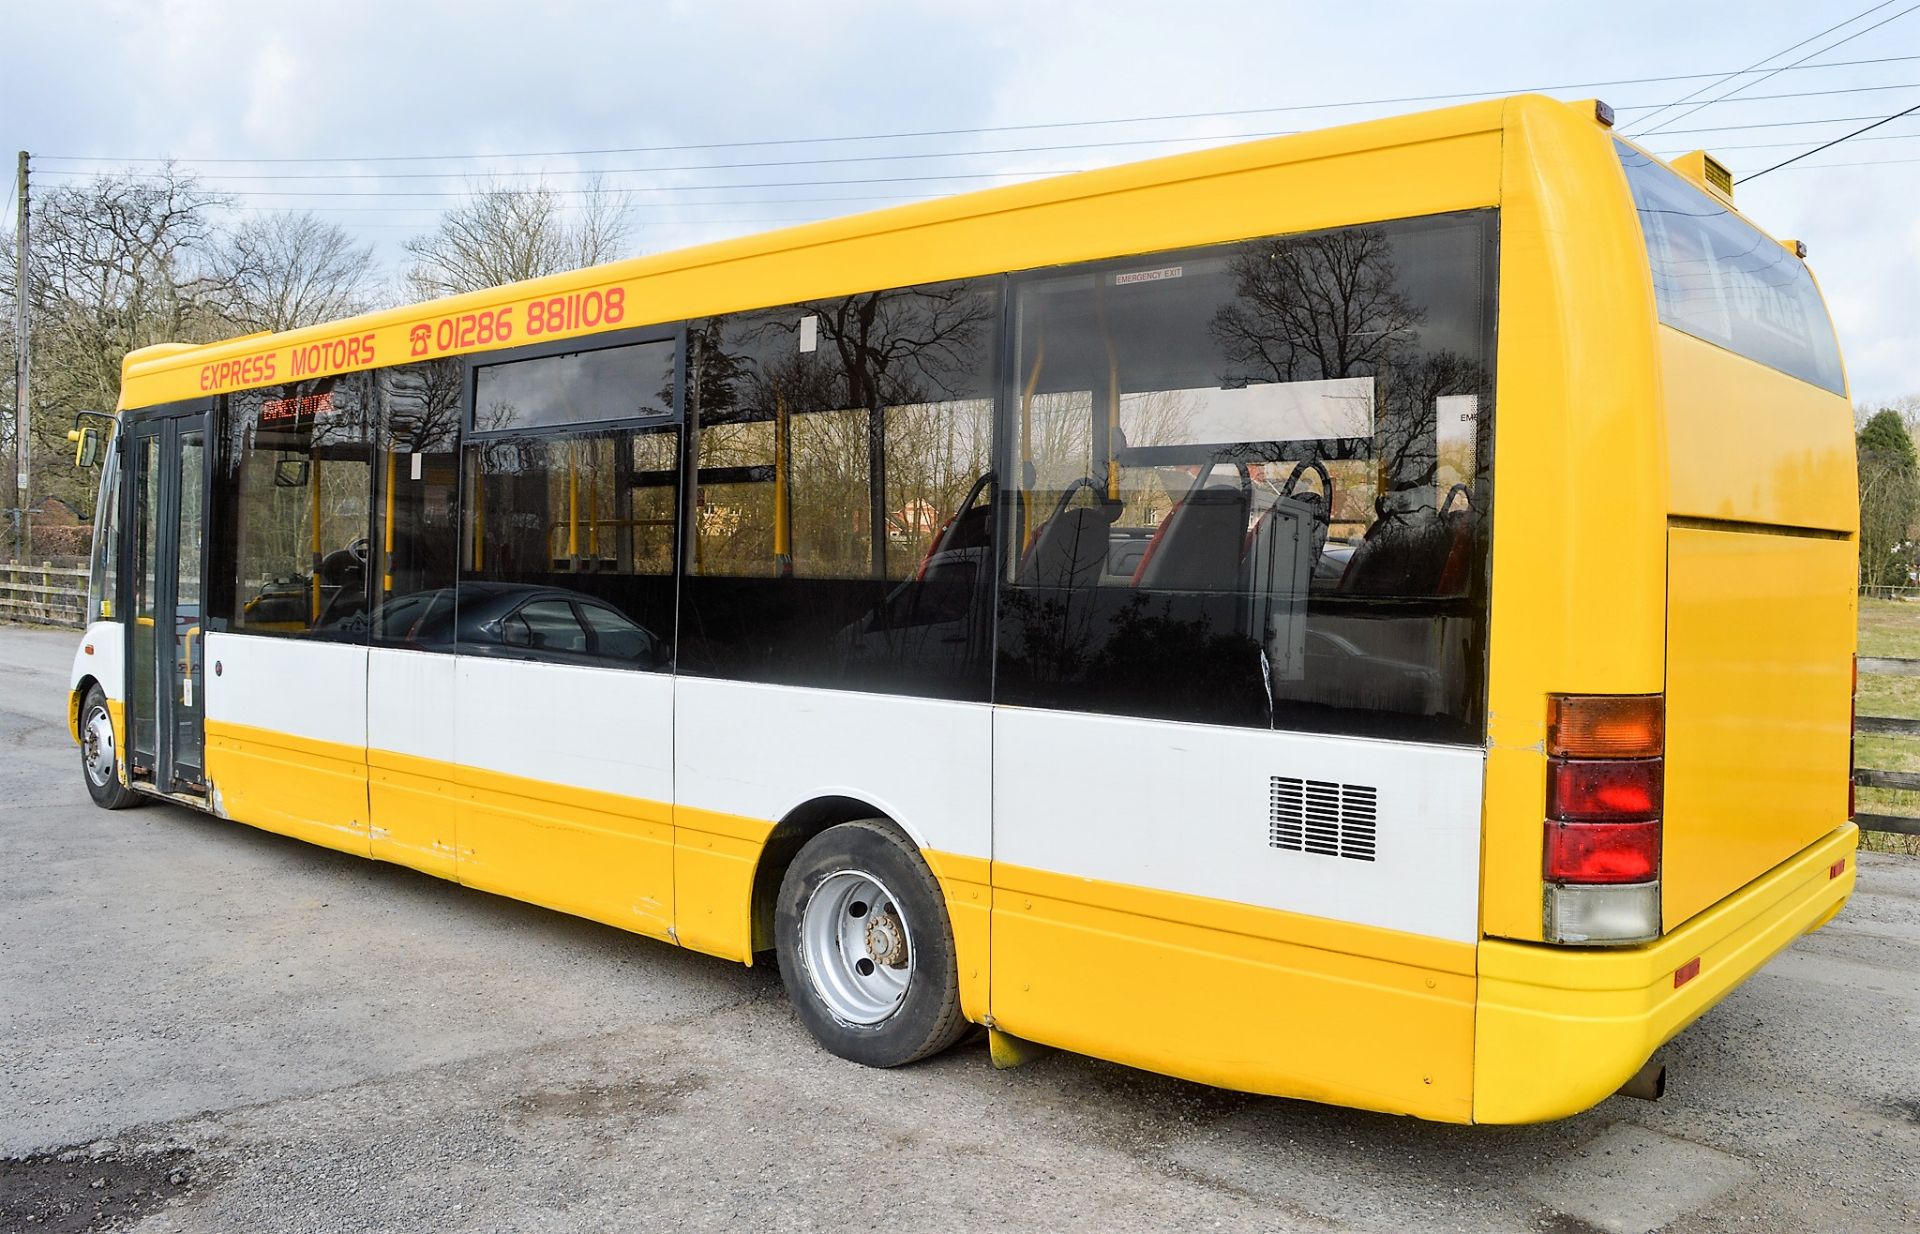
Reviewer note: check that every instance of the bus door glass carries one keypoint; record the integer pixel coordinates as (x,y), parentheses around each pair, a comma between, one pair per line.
(167,457)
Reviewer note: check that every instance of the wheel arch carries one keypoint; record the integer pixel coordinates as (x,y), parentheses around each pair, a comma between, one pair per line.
(789,836)
(76,698)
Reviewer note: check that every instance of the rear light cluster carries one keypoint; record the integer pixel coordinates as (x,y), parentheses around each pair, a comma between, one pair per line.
(1606,781)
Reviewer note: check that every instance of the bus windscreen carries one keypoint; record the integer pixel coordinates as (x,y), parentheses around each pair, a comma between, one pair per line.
(1720,279)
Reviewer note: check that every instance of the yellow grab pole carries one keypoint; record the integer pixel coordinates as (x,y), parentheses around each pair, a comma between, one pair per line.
(313,514)
(386,539)
(782,497)
(573,507)
(479,511)
(1027,477)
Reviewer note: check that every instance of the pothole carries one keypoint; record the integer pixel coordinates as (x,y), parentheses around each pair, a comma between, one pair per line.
(90,1187)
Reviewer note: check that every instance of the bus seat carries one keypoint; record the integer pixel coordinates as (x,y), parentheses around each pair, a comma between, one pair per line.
(1422,553)
(1453,572)
(1070,549)
(1197,546)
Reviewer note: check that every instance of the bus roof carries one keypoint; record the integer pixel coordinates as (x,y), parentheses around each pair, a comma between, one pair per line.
(472,322)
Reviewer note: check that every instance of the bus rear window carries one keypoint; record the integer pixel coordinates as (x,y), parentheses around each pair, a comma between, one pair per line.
(1720,279)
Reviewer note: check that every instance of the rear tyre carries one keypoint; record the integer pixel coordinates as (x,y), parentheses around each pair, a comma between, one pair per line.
(865,947)
(99,763)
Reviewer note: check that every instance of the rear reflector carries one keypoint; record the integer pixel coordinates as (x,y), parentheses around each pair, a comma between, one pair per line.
(1837,868)
(1610,790)
(1853,722)
(1603,852)
(1606,725)
(1686,972)
(1629,913)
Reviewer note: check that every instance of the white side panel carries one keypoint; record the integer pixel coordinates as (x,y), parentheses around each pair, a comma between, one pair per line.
(760,751)
(1186,808)
(107,662)
(410,703)
(602,729)
(288,685)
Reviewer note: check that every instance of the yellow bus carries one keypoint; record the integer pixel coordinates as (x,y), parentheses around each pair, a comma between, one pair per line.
(1364,616)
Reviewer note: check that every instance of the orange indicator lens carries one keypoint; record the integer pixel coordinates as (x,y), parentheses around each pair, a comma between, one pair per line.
(1606,726)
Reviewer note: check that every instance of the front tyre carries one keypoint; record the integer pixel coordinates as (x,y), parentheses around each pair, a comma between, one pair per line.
(865,947)
(99,764)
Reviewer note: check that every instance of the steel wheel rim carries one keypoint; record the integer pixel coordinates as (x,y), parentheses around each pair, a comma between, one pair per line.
(857,948)
(96,747)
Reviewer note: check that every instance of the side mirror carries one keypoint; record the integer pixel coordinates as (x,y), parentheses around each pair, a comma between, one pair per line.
(86,446)
(88,439)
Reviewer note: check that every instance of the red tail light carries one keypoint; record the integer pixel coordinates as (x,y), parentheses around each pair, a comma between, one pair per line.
(1598,853)
(1605,790)
(1606,787)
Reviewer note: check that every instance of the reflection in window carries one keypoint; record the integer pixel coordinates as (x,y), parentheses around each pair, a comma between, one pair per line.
(1719,278)
(416,525)
(566,535)
(1250,483)
(103,595)
(842,520)
(581,387)
(298,474)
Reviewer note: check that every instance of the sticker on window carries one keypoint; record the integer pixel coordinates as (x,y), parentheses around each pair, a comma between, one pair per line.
(1147,276)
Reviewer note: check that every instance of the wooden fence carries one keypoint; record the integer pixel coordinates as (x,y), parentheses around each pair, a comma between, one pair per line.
(1869,777)
(45,594)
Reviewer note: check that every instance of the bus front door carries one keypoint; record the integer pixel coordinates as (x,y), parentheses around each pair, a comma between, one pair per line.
(166,465)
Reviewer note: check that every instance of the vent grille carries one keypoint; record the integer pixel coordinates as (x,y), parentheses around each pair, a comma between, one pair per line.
(1718,176)
(1319,816)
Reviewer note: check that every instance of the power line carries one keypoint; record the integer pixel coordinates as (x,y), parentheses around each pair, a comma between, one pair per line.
(1757,63)
(1829,145)
(331,177)
(621,171)
(1783,68)
(670,188)
(958,132)
(1778,145)
(605,189)
(638,205)
(1818,166)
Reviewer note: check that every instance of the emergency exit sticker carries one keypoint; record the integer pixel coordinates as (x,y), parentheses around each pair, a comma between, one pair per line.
(1148,276)
(809,333)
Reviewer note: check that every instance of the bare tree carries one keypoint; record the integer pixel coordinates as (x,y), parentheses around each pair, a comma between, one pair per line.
(117,263)
(1315,307)
(287,270)
(503,235)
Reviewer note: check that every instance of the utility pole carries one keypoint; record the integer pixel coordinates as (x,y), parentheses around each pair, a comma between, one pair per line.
(22,416)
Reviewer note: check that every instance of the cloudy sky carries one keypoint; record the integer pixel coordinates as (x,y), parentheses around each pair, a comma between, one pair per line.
(688,93)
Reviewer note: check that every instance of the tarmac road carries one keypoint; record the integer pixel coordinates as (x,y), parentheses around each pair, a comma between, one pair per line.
(204,1027)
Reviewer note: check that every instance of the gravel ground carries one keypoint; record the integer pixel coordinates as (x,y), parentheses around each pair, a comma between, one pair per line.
(207,1028)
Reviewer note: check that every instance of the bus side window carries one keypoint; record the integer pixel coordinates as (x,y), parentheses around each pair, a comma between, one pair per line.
(416,528)
(1235,501)
(101,591)
(841,523)
(557,520)
(298,475)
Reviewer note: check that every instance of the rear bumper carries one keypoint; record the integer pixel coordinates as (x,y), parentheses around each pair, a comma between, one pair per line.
(1559,1029)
